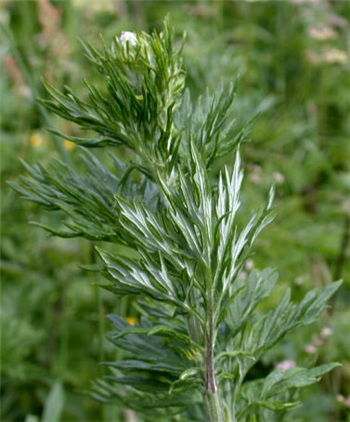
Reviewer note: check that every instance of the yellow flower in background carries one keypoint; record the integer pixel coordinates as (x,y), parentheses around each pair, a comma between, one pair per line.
(69,145)
(334,55)
(131,320)
(329,56)
(36,140)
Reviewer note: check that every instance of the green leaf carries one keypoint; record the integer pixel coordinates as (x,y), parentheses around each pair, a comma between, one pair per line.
(54,403)
(234,354)
(277,405)
(31,418)
(280,381)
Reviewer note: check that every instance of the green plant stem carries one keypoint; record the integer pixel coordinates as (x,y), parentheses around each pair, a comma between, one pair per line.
(237,390)
(211,395)
(210,381)
(213,408)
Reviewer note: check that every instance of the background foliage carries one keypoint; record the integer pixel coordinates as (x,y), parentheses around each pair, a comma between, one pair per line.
(293,62)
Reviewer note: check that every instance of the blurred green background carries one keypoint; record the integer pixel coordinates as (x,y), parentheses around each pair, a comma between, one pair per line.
(292,58)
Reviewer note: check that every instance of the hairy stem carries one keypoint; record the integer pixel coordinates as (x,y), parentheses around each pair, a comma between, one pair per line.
(213,408)
(211,396)
(210,381)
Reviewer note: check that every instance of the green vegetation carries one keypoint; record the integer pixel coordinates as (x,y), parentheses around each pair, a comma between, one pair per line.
(293,65)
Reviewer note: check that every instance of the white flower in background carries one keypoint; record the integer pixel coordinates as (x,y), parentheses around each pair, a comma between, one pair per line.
(333,55)
(249,264)
(255,175)
(344,400)
(286,364)
(330,56)
(130,37)
(278,177)
(300,280)
(322,33)
(243,275)
(326,332)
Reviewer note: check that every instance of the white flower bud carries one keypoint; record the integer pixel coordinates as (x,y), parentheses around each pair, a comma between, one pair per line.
(128,36)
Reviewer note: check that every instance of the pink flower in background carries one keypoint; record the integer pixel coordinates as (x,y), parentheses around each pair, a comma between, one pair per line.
(311,349)
(286,364)
(337,20)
